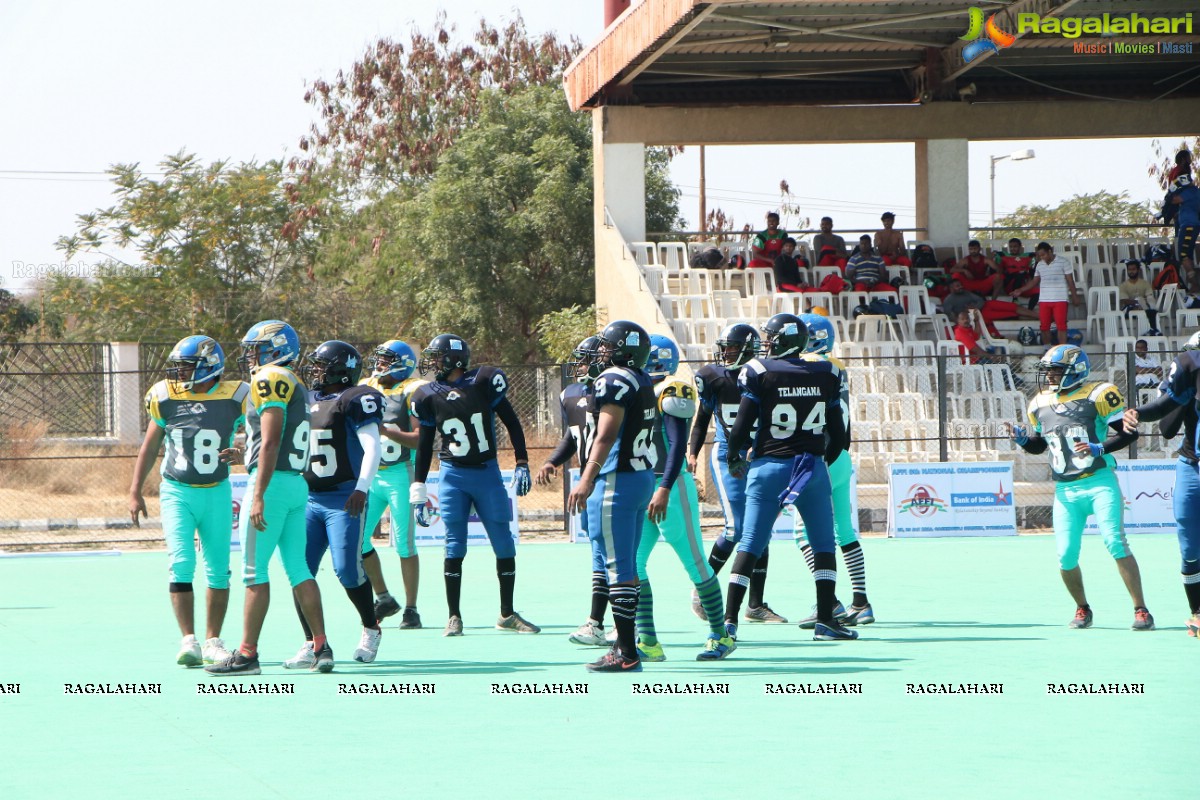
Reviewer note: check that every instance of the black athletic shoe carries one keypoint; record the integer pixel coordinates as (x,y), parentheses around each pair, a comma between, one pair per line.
(386,607)
(411,620)
(236,664)
(324,659)
(615,661)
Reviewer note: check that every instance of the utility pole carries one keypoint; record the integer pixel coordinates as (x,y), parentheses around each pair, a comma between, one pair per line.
(703,203)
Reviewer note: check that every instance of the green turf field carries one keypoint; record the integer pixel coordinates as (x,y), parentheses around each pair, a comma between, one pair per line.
(950,611)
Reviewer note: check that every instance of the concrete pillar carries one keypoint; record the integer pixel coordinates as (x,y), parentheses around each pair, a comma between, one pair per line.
(620,182)
(942,203)
(125,392)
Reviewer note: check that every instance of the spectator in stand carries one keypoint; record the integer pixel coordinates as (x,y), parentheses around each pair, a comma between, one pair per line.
(767,244)
(1183,166)
(1016,269)
(977,273)
(1054,277)
(959,300)
(967,335)
(1149,370)
(1137,293)
(866,270)
(787,270)
(1186,197)
(829,249)
(889,243)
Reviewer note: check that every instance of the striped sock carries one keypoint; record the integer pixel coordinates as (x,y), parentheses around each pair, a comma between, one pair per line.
(856,565)
(599,595)
(714,607)
(645,614)
(624,601)
(806,551)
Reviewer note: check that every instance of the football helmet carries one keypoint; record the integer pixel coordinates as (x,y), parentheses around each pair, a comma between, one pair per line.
(821,333)
(785,335)
(270,342)
(333,365)
(1063,368)
(194,360)
(584,363)
(393,359)
(446,353)
(664,357)
(624,344)
(737,344)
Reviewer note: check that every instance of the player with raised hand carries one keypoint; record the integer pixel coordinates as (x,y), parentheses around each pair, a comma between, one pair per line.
(716,386)
(1176,407)
(821,338)
(576,402)
(674,510)
(617,479)
(462,406)
(796,400)
(1069,417)
(392,365)
(196,414)
(276,456)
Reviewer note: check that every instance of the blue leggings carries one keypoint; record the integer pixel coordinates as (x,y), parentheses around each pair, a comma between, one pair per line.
(616,512)
(462,487)
(766,480)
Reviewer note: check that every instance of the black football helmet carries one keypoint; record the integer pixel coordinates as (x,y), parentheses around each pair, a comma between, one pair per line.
(737,344)
(624,344)
(446,353)
(333,365)
(785,335)
(584,363)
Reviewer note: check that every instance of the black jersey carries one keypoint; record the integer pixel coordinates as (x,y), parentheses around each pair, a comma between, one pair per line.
(1182,385)
(631,389)
(794,397)
(463,413)
(576,402)
(334,453)
(717,389)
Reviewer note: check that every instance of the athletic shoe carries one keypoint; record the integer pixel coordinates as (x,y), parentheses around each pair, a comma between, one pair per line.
(1083,618)
(697,606)
(1142,621)
(236,664)
(305,658)
(611,636)
(517,624)
(810,622)
(324,659)
(590,634)
(731,631)
(1193,625)
(716,648)
(832,632)
(189,652)
(1154,332)
(215,651)
(615,661)
(453,627)
(368,645)
(386,607)
(650,652)
(411,620)
(762,614)
(859,615)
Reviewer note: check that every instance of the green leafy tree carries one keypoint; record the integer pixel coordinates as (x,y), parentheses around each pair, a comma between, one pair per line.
(16,318)
(1077,217)
(562,330)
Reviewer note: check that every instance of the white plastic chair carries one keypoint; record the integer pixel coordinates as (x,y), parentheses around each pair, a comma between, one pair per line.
(644,253)
(673,255)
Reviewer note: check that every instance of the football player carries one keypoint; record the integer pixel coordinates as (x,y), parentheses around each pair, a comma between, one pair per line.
(462,407)
(276,456)
(617,479)
(1176,408)
(674,510)
(392,365)
(796,400)
(717,388)
(197,415)
(821,338)
(576,402)
(1069,417)
(343,457)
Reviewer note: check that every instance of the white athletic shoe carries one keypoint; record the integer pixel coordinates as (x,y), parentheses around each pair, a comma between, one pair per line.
(215,651)
(305,658)
(589,633)
(189,652)
(611,636)
(368,645)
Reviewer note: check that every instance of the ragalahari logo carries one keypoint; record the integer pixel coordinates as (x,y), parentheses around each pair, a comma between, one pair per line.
(996,39)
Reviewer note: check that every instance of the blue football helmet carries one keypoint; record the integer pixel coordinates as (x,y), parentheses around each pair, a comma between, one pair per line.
(584,363)
(194,360)
(785,335)
(393,359)
(1063,368)
(821,333)
(270,342)
(664,357)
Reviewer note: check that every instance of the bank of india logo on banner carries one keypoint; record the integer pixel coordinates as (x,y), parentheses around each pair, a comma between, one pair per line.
(972,499)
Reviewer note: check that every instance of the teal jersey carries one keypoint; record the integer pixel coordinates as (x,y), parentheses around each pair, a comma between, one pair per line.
(197,426)
(277,387)
(1080,415)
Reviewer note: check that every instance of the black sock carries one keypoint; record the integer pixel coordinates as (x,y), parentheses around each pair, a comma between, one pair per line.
(599,596)
(624,601)
(506,573)
(452,572)
(308,634)
(758,578)
(721,549)
(1191,585)
(364,602)
(739,581)
(825,576)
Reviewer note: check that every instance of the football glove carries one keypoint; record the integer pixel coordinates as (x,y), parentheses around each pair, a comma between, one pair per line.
(738,467)
(1020,435)
(521,480)
(1094,450)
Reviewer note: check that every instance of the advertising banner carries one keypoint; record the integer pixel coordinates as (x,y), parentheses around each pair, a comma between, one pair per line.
(951,499)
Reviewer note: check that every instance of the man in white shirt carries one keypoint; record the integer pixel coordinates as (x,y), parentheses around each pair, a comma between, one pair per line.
(1055,280)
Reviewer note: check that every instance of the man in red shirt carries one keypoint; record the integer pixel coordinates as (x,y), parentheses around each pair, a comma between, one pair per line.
(768,244)
(977,273)
(968,336)
(1016,269)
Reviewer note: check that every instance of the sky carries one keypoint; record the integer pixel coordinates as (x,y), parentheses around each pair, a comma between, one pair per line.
(95,84)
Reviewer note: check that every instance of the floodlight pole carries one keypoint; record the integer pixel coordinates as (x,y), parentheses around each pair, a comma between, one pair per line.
(1020,155)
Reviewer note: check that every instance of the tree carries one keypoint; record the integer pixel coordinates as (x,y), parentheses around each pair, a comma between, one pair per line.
(15,317)
(1077,217)
(1165,161)
(562,330)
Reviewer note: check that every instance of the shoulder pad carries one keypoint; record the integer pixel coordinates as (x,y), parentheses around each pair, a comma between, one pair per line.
(756,366)
(837,362)
(676,398)
(159,391)
(243,389)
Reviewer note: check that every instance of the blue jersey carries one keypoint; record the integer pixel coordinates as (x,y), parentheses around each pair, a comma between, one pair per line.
(463,412)
(718,392)
(631,389)
(1182,385)
(795,397)
(334,453)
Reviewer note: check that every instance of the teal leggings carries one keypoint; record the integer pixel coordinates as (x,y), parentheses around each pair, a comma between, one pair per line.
(1075,501)
(188,510)
(681,529)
